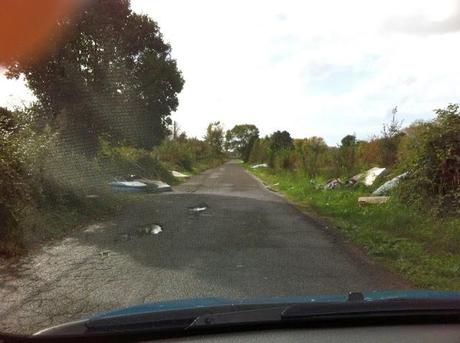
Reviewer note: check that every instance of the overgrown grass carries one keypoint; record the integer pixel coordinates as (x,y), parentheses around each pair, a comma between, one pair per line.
(423,249)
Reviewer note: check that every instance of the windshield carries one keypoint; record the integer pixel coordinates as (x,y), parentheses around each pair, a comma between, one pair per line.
(168,150)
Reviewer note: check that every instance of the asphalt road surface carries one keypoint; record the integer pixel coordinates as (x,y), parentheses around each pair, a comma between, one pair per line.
(224,234)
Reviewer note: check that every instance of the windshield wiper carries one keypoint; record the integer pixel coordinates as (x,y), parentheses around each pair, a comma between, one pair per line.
(278,314)
(326,311)
(375,308)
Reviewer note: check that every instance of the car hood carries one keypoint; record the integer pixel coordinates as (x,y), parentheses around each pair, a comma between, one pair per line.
(181,304)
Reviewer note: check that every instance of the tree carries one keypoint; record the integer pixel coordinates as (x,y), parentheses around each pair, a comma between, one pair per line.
(241,139)
(108,72)
(347,153)
(311,150)
(391,137)
(215,137)
(281,140)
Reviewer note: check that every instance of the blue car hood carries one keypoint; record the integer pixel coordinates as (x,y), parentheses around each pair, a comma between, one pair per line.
(211,302)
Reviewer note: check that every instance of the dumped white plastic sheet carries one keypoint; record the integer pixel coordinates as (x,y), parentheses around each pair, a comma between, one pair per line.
(372,174)
(156,185)
(389,185)
(140,185)
(262,165)
(373,200)
(179,174)
(161,186)
(130,184)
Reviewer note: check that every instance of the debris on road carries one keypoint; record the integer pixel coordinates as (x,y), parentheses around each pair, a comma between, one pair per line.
(156,185)
(104,253)
(126,237)
(151,229)
(133,183)
(373,200)
(333,184)
(179,175)
(128,186)
(199,208)
(262,165)
(156,230)
(389,185)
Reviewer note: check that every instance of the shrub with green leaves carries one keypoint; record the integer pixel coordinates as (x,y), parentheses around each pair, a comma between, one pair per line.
(433,163)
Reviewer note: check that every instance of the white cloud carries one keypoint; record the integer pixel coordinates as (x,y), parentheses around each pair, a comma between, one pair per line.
(14,93)
(326,68)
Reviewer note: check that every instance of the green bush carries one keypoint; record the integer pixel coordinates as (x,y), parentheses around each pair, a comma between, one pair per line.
(118,161)
(22,150)
(433,161)
(186,154)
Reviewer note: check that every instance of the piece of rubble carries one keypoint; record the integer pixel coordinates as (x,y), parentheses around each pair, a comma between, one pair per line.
(333,184)
(389,185)
(373,200)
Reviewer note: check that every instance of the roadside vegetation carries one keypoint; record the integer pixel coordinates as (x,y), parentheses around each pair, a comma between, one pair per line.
(417,232)
(104,92)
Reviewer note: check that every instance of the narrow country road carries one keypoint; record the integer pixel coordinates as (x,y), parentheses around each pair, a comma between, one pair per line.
(245,242)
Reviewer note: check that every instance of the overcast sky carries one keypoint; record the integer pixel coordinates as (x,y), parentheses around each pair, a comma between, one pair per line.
(326,68)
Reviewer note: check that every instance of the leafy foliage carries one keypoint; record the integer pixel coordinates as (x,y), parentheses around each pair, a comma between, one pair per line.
(241,139)
(434,163)
(215,137)
(110,72)
(280,140)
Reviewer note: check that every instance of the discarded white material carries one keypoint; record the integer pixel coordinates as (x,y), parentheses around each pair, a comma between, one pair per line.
(162,186)
(156,185)
(133,184)
(387,186)
(372,200)
(179,174)
(262,165)
(153,229)
(198,209)
(156,229)
(372,174)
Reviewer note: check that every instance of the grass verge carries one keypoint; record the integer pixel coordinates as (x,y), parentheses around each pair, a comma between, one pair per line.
(422,249)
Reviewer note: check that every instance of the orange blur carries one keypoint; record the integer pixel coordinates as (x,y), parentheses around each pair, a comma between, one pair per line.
(25,26)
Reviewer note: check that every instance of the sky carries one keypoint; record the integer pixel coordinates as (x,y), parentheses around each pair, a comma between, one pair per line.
(314,68)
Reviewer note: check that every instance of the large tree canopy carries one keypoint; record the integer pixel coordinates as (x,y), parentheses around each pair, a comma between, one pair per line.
(109,72)
(280,140)
(215,137)
(241,139)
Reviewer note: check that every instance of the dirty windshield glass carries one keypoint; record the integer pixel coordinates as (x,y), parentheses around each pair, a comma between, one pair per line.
(166,150)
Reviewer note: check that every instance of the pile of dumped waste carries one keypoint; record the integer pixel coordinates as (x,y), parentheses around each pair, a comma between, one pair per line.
(134,183)
(368,178)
